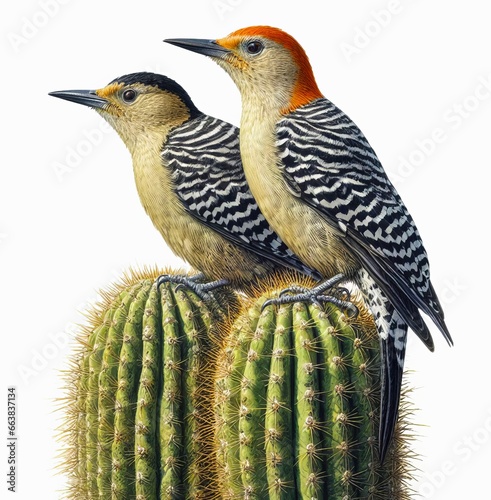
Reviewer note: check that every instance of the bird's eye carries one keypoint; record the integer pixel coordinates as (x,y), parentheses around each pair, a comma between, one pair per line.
(254,47)
(129,95)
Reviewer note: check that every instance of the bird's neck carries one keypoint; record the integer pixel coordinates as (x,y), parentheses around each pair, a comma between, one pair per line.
(261,110)
(147,141)
(258,147)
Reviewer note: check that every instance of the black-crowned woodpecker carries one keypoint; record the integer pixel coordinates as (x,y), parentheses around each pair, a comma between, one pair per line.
(190,180)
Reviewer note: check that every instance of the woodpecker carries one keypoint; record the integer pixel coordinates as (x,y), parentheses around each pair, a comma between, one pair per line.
(322,188)
(190,181)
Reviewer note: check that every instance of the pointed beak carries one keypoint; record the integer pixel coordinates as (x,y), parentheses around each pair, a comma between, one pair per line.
(201,46)
(85,97)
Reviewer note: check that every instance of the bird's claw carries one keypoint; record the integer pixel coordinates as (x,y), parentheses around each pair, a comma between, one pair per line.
(197,289)
(340,293)
(339,296)
(192,283)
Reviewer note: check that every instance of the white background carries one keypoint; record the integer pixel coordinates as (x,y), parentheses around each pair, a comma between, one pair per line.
(66,233)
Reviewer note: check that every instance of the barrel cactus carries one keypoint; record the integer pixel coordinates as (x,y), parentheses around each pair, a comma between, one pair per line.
(140,395)
(169,400)
(298,395)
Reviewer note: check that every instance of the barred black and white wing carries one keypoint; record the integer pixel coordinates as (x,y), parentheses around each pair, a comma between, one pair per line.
(329,164)
(204,157)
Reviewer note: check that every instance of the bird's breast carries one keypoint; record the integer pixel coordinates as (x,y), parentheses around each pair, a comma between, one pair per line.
(156,194)
(308,234)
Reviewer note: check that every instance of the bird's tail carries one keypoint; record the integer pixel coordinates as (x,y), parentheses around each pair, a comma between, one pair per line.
(393,350)
(392,330)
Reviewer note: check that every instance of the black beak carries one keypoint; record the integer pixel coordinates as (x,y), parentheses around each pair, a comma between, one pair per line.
(206,47)
(85,97)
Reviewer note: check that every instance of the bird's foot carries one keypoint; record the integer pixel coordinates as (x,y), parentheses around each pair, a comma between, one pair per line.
(202,290)
(196,278)
(339,296)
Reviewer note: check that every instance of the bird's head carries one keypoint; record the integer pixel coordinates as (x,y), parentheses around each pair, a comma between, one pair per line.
(264,62)
(137,105)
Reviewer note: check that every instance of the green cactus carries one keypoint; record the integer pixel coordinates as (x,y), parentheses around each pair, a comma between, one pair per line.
(139,410)
(297,396)
(169,400)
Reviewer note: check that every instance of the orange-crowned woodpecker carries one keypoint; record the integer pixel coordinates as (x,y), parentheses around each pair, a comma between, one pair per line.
(190,181)
(323,190)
